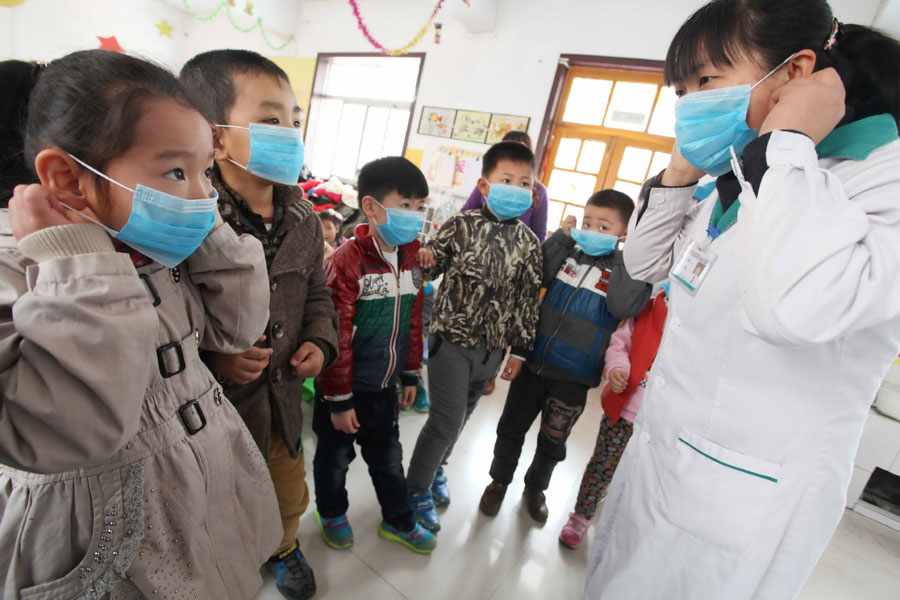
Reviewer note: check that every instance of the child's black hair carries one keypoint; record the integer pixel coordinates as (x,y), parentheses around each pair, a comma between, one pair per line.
(615,200)
(518,136)
(88,103)
(17,79)
(769,31)
(332,216)
(391,174)
(209,78)
(513,151)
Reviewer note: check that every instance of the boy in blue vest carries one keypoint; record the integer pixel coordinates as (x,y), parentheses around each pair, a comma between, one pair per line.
(588,294)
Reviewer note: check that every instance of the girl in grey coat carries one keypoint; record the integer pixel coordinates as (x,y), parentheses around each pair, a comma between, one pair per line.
(125,473)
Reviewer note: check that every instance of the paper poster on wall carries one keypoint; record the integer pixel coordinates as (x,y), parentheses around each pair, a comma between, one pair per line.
(503,124)
(437,121)
(471,126)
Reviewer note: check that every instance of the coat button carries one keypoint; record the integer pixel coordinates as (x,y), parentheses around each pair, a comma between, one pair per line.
(175,274)
(273,285)
(276,375)
(660,383)
(217,397)
(645,437)
(675,323)
(277,331)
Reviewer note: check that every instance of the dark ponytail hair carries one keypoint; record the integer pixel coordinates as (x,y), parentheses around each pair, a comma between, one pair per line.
(88,103)
(769,31)
(17,79)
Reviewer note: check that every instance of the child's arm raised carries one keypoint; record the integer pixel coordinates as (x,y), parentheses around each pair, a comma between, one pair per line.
(230,273)
(555,251)
(77,333)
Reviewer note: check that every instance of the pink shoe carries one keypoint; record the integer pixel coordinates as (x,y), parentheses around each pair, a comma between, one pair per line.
(574,530)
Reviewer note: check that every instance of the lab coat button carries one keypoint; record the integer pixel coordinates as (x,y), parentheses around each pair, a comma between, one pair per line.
(675,323)
(645,437)
(660,383)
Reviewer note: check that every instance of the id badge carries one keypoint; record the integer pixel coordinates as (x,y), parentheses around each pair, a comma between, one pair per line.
(693,264)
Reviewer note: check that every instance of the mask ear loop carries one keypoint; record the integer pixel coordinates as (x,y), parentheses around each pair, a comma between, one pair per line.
(770,73)
(109,230)
(233,127)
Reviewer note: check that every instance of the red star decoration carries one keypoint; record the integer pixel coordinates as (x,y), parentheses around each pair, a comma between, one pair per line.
(110,43)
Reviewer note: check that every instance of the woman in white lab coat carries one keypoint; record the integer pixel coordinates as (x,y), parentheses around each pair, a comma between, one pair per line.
(785,307)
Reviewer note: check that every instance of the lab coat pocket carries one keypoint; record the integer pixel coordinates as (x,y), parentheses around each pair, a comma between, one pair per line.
(716,494)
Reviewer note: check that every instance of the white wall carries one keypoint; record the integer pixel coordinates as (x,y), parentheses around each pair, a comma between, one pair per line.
(509,70)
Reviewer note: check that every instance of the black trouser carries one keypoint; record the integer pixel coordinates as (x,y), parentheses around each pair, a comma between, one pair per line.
(559,403)
(379,440)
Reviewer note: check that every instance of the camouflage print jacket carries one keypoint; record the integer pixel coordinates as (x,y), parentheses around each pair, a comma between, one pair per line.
(492,280)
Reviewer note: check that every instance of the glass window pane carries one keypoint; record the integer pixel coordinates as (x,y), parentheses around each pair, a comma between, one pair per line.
(571,187)
(365,77)
(373,135)
(396,132)
(631,105)
(348,136)
(634,164)
(320,139)
(554,214)
(575,211)
(631,189)
(663,120)
(660,161)
(567,153)
(591,156)
(587,101)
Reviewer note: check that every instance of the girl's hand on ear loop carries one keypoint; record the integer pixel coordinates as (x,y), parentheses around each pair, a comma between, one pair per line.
(680,173)
(34,207)
(813,105)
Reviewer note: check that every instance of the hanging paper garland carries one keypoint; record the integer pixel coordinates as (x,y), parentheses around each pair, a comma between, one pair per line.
(396,51)
(249,10)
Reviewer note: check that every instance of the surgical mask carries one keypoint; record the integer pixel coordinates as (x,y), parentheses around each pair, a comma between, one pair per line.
(508,201)
(594,243)
(402,226)
(709,122)
(161,226)
(276,153)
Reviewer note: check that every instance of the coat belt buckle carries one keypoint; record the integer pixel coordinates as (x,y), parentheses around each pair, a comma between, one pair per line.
(186,421)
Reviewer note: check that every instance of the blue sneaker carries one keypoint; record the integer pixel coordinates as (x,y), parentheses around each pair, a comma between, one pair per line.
(293,575)
(421,404)
(336,531)
(418,540)
(423,506)
(440,491)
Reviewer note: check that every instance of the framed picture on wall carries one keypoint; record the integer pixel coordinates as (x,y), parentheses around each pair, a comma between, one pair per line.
(502,124)
(437,121)
(471,126)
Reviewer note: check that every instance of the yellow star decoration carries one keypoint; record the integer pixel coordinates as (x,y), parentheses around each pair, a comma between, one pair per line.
(249,8)
(164,28)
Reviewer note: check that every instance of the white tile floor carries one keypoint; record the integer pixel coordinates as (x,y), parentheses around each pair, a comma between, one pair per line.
(510,556)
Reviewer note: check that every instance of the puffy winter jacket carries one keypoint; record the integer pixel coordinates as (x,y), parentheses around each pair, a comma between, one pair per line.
(380,314)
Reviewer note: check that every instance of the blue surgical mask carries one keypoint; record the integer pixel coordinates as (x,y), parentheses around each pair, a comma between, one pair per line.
(276,153)
(594,243)
(508,201)
(161,226)
(710,122)
(402,226)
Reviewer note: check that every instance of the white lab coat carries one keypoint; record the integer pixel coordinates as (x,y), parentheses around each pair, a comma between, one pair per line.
(736,474)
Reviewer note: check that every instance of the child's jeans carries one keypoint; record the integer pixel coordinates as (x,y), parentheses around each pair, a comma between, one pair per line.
(559,403)
(379,440)
(457,378)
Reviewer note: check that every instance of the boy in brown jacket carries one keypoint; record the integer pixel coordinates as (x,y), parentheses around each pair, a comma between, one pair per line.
(259,153)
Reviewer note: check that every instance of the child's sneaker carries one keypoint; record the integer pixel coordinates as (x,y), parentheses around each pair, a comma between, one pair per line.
(418,540)
(423,506)
(440,491)
(421,404)
(335,531)
(293,576)
(574,530)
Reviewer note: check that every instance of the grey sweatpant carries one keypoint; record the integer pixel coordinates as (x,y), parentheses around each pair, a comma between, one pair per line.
(457,377)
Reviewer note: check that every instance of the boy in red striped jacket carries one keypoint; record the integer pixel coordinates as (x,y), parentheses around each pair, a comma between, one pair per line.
(376,285)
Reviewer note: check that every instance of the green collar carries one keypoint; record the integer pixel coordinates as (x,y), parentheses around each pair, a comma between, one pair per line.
(858,139)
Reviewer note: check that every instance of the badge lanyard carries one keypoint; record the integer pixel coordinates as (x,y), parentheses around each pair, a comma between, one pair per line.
(697,259)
